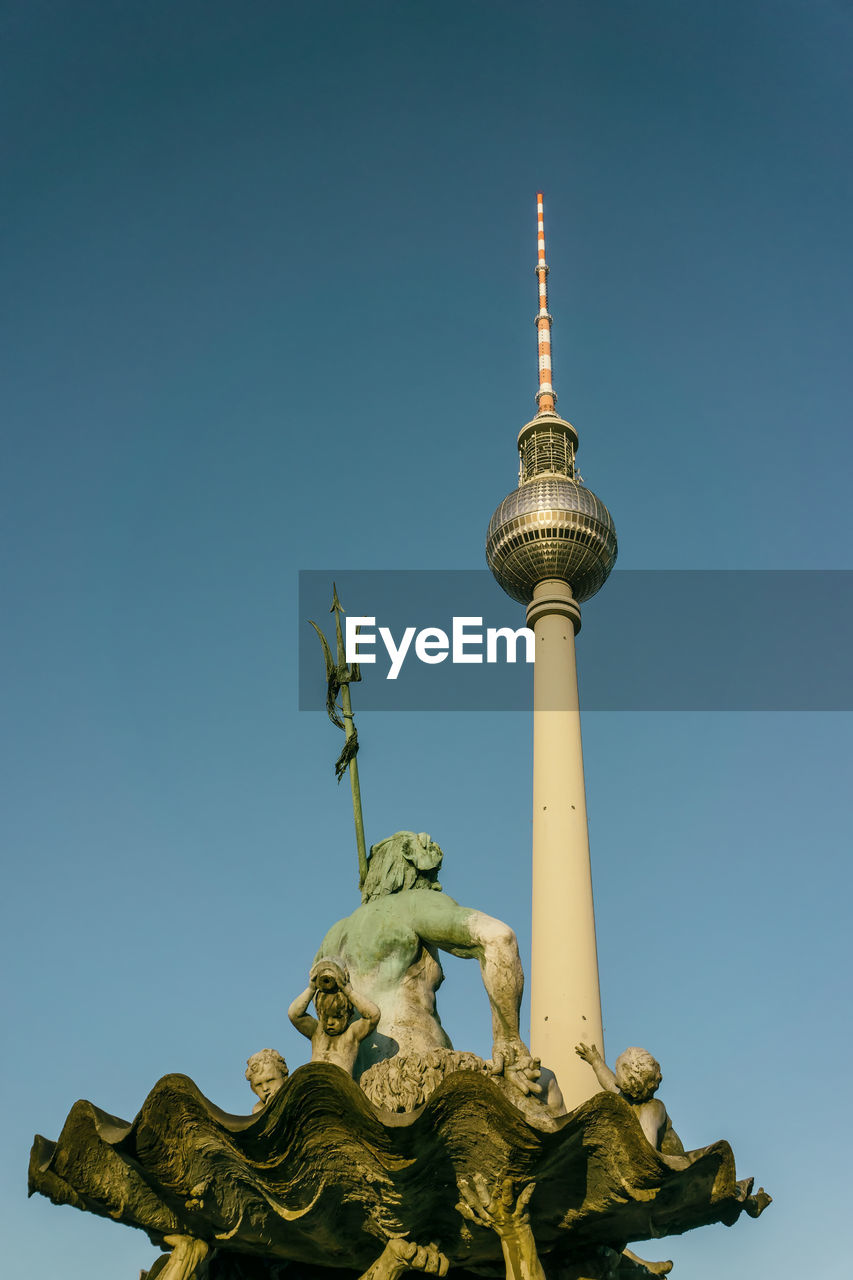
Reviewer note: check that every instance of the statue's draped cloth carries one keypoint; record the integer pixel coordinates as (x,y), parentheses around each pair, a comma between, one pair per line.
(322,1176)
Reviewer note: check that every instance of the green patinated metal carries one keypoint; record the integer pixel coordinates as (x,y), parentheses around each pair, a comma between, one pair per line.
(339,677)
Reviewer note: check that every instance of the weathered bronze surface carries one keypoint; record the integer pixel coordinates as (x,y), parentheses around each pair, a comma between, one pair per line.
(322,1178)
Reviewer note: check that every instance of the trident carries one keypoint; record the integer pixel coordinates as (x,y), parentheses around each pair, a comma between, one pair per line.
(339,677)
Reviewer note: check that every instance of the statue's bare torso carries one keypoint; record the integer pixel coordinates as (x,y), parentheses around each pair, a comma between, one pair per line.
(390,947)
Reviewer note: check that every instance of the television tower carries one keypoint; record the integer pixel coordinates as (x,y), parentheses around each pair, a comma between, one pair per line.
(551,545)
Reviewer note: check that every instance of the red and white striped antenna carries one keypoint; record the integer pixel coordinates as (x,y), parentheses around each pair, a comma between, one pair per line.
(546,397)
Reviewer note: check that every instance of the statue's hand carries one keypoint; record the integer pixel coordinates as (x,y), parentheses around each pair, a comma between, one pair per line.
(497,1207)
(426,1258)
(187,1253)
(401,1255)
(511,1059)
(588,1052)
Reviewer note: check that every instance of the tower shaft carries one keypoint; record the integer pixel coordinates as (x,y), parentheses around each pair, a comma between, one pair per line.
(565,1003)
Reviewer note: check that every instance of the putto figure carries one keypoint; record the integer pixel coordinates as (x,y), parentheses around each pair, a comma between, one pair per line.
(390,944)
(266,1072)
(334,1038)
(636,1078)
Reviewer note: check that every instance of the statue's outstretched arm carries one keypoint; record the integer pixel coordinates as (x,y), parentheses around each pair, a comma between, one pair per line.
(498,1208)
(441,922)
(603,1074)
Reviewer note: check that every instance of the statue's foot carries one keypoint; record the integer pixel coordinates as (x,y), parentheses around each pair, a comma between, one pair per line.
(755,1205)
(187,1253)
(653,1268)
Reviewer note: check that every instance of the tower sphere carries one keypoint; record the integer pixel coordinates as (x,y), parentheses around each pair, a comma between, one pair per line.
(551,527)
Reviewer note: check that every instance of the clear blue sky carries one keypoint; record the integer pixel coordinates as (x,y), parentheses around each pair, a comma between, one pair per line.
(268,299)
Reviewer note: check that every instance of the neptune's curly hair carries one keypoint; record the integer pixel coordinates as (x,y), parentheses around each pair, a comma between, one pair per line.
(406,860)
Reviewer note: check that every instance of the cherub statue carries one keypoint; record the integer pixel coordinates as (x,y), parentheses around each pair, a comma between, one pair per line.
(636,1078)
(334,1038)
(266,1072)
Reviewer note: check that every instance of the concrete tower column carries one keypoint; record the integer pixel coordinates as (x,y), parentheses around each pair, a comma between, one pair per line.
(551,545)
(565,999)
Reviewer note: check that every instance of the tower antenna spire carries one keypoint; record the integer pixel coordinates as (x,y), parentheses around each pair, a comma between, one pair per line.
(546,397)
